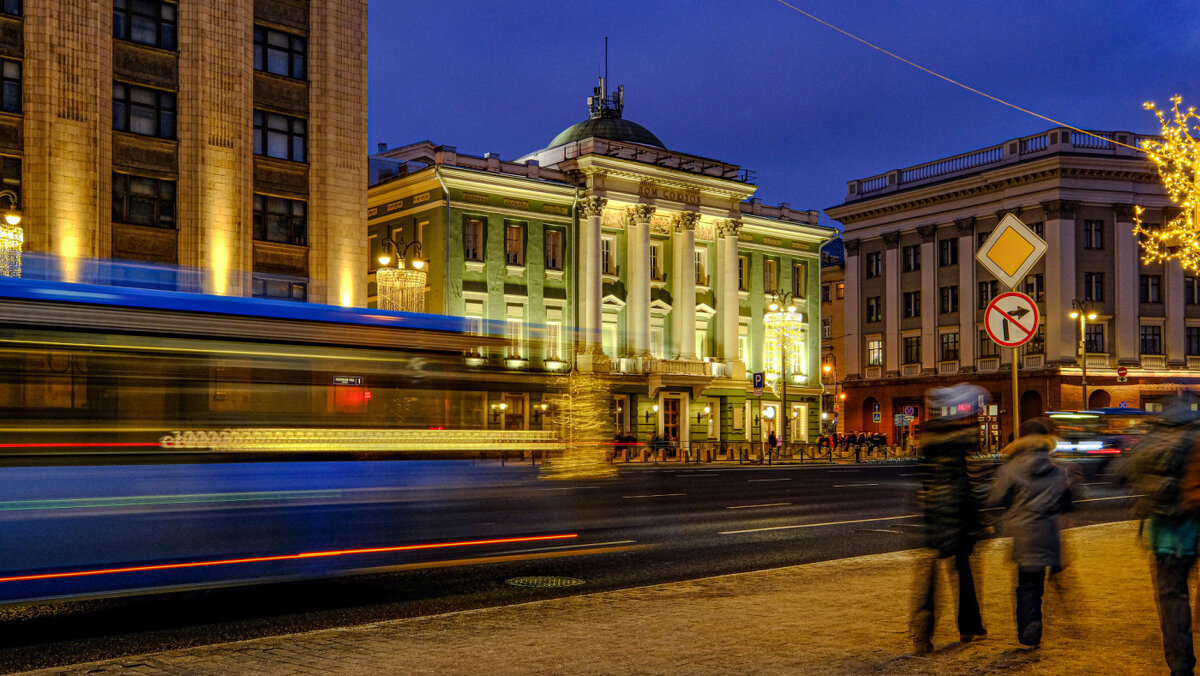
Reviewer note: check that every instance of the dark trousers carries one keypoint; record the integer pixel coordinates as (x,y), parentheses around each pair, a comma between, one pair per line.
(969,620)
(1174,612)
(1031,584)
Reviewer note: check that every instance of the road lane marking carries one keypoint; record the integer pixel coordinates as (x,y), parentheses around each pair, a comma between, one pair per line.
(783,479)
(1113,497)
(769,504)
(451,563)
(656,495)
(1099,483)
(578,546)
(817,525)
(852,485)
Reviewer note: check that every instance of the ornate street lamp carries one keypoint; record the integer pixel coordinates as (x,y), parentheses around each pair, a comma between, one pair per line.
(784,328)
(1083,311)
(401,288)
(12,237)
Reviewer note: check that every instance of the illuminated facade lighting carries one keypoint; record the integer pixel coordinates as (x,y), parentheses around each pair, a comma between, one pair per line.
(12,242)
(785,339)
(1177,158)
(401,290)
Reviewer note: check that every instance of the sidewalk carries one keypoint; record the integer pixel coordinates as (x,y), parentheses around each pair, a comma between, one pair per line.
(837,617)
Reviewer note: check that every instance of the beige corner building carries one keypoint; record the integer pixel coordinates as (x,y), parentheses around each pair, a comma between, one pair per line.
(226,137)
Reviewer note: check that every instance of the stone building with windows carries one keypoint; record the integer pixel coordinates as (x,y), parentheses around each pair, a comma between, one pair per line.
(608,252)
(833,334)
(915,294)
(224,137)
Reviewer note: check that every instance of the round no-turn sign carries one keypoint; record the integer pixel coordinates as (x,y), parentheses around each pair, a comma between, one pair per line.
(1011,319)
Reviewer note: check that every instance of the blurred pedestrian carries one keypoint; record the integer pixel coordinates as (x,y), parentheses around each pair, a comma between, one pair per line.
(1033,491)
(1155,469)
(949,494)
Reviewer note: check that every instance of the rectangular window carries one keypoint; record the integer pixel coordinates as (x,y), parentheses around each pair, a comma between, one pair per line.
(949,347)
(554,340)
(277,219)
(987,346)
(1191,289)
(514,335)
(948,301)
(10,86)
(874,309)
(701,266)
(1038,229)
(146,22)
(912,257)
(912,304)
(1035,287)
(141,110)
(1093,286)
(143,201)
(826,328)
(980,238)
(473,239)
(1037,344)
(1151,339)
(824,293)
(1093,234)
(743,269)
(841,290)
(1093,339)
(875,352)
(1192,341)
(799,280)
(554,249)
(280,136)
(656,261)
(912,350)
(1150,289)
(514,244)
(770,275)
(947,252)
(278,287)
(280,53)
(12,7)
(988,291)
(874,262)
(10,175)
(608,261)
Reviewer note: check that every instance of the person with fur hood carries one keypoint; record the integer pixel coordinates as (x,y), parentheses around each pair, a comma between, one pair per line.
(1033,491)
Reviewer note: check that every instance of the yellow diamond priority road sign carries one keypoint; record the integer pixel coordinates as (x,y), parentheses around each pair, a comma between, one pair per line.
(1011,250)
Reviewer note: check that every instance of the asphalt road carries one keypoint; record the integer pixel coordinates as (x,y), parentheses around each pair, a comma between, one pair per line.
(266,548)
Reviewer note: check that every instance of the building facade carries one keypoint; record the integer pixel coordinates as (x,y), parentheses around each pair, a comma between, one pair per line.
(915,294)
(223,137)
(833,334)
(609,253)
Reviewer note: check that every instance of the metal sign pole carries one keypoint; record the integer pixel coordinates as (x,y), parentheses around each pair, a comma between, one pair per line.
(1016,400)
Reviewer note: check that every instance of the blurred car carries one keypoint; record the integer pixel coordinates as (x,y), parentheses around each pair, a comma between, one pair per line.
(1098,434)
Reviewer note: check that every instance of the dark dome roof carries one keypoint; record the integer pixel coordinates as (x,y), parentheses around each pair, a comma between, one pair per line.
(606,127)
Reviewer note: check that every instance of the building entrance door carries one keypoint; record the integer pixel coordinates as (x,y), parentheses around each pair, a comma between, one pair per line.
(671,422)
(514,413)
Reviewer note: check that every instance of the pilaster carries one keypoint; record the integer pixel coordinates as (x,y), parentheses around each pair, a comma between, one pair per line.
(1125,287)
(852,313)
(685,282)
(891,303)
(1061,339)
(637,308)
(967,334)
(929,299)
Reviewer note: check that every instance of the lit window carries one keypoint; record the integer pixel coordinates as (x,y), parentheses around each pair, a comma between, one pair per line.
(770,275)
(553,340)
(554,249)
(514,335)
(608,262)
(656,266)
(875,352)
(949,347)
(473,239)
(514,244)
(702,266)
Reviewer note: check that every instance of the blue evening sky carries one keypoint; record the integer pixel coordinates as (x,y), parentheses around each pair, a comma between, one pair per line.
(754,83)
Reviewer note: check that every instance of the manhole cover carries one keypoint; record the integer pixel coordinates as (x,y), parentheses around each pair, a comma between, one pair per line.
(544,581)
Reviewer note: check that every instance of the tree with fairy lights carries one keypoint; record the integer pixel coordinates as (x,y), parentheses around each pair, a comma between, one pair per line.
(1177,158)
(582,418)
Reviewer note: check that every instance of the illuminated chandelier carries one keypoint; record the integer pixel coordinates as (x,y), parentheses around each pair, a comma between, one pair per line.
(1177,158)
(401,288)
(12,237)
(784,327)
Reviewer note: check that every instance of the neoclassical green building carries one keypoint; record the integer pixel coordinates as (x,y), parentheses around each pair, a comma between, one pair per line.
(609,253)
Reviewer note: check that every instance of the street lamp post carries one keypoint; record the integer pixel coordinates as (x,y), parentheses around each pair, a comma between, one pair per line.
(12,237)
(1083,311)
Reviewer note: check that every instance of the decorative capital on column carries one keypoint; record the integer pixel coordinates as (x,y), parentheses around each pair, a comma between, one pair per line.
(927,233)
(729,227)
(966,226)
(1123,212)
(891,239)
(686,220)
(640,213)
(1059,209)
(592,205)
(851,246)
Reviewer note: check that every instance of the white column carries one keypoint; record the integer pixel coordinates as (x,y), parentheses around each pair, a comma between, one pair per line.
(891,303)
(1172,298)
(592,209)
(685,284)
(1062,340)
(968,336)
(727,305)
(1125,271)
(852,316)
(637,308)
(929,300)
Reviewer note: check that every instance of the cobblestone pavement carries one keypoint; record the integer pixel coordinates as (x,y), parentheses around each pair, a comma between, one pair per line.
(848,616)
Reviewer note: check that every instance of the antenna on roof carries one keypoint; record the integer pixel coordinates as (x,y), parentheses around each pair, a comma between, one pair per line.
(606,58)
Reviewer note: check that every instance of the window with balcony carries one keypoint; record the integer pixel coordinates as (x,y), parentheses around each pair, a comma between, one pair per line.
(948,299)
(947,252)
(1093,339)
(800,280)
(280,220)
(10,86)
(514,244)
(1093,234)
(656,261)
(911,256)
(473,238)
(770,275)
(1191,341)
(146,22)
(874,309)
(875,352)
(554,249)
(280,136)
(1093,286)
(142,110)
(1035,287)
(280,53)
(608,259)
(949,347)
(987,346)
(1151,339)
(1150,289)
(743,274)
(874,264)
(912,350)
(912,304)
(140,200)
(988,291)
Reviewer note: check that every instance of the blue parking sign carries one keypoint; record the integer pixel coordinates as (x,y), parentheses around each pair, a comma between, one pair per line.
(760,380)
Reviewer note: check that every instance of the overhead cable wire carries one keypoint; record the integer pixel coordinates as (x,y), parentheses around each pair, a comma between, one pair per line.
(956,83)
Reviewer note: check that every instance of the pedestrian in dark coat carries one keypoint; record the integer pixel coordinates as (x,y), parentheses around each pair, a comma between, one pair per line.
(1033,491)
(949,495)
